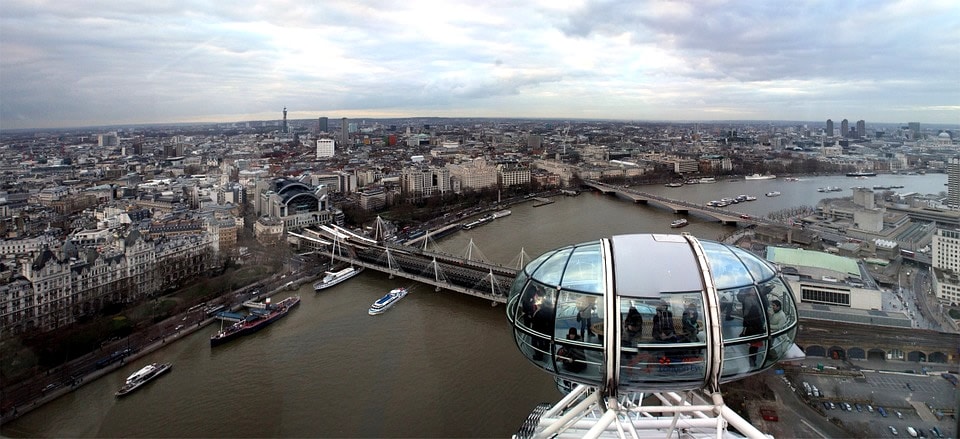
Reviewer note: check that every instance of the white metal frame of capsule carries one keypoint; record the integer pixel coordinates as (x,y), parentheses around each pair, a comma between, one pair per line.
(609,407)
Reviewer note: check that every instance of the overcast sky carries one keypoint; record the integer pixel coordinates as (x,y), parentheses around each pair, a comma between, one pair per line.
(80,63)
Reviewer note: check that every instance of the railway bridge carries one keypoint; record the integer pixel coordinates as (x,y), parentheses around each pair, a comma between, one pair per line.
(444,271)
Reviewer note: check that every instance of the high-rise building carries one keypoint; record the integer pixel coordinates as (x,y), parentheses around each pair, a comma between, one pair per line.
(844,128)
(108,139)
(344,133)
(829,127)
(323,125)
(914,130)
(861,129)
(284,120)
(945,258)
(325,148)
(953,182)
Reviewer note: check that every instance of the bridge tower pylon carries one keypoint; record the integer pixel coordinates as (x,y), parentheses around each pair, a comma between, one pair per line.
(471,248)
(520,260)
(437,273)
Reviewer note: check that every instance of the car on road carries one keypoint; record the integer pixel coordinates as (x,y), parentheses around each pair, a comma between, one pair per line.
(893,430)
(858,406)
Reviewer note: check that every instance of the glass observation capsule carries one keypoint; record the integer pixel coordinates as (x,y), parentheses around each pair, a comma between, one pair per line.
(652,312)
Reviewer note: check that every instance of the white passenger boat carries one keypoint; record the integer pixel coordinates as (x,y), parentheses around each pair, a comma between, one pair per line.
(385,302)
(143,376)
(676,224)
(332,278)
(759,177)
(773,194)
(501,213)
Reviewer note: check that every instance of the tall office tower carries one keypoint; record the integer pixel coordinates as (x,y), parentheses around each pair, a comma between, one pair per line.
(533,141)
(861,129)
(844,128)
(953,183)
(109,139)
(829,127)
(915,130)
(284,119)
(325,148)
(323,125)
(344,133)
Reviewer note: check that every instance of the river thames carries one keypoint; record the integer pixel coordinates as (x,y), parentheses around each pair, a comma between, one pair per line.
(438,364)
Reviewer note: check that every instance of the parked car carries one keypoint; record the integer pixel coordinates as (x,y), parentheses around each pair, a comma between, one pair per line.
(881,411)
(893,430)
(858,406)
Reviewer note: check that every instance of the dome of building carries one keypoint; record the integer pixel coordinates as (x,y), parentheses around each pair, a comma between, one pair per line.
(652,312)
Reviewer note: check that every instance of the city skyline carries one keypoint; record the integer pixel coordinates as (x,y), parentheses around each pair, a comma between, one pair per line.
(64,66)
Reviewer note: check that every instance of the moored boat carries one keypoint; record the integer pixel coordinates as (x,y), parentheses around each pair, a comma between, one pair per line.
(682,222)
(759,177)
(501,214)
(675,184)
(773,194)
(143,376)
(332,278)
(861,174)
(255,321)
(483,220)
(707,180)
(384,303)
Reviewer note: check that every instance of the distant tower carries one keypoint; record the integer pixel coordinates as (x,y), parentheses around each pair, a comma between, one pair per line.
(953,182)
(323,125)
(829,127)
(844,128)
(284,120)
(861,128)
(344,133)
(915,130)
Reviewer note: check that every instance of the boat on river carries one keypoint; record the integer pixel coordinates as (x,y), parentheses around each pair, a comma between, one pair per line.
(760,177)
(483,220)
(332,278)
(501,213)
(384,303)
(256,320)
(861,174)
(773,194)
(143,376)
(682,222)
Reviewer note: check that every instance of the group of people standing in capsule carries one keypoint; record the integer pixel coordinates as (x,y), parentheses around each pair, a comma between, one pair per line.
(746,312)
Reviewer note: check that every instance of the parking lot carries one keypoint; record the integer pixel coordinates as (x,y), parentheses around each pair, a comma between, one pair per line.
(906,400)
